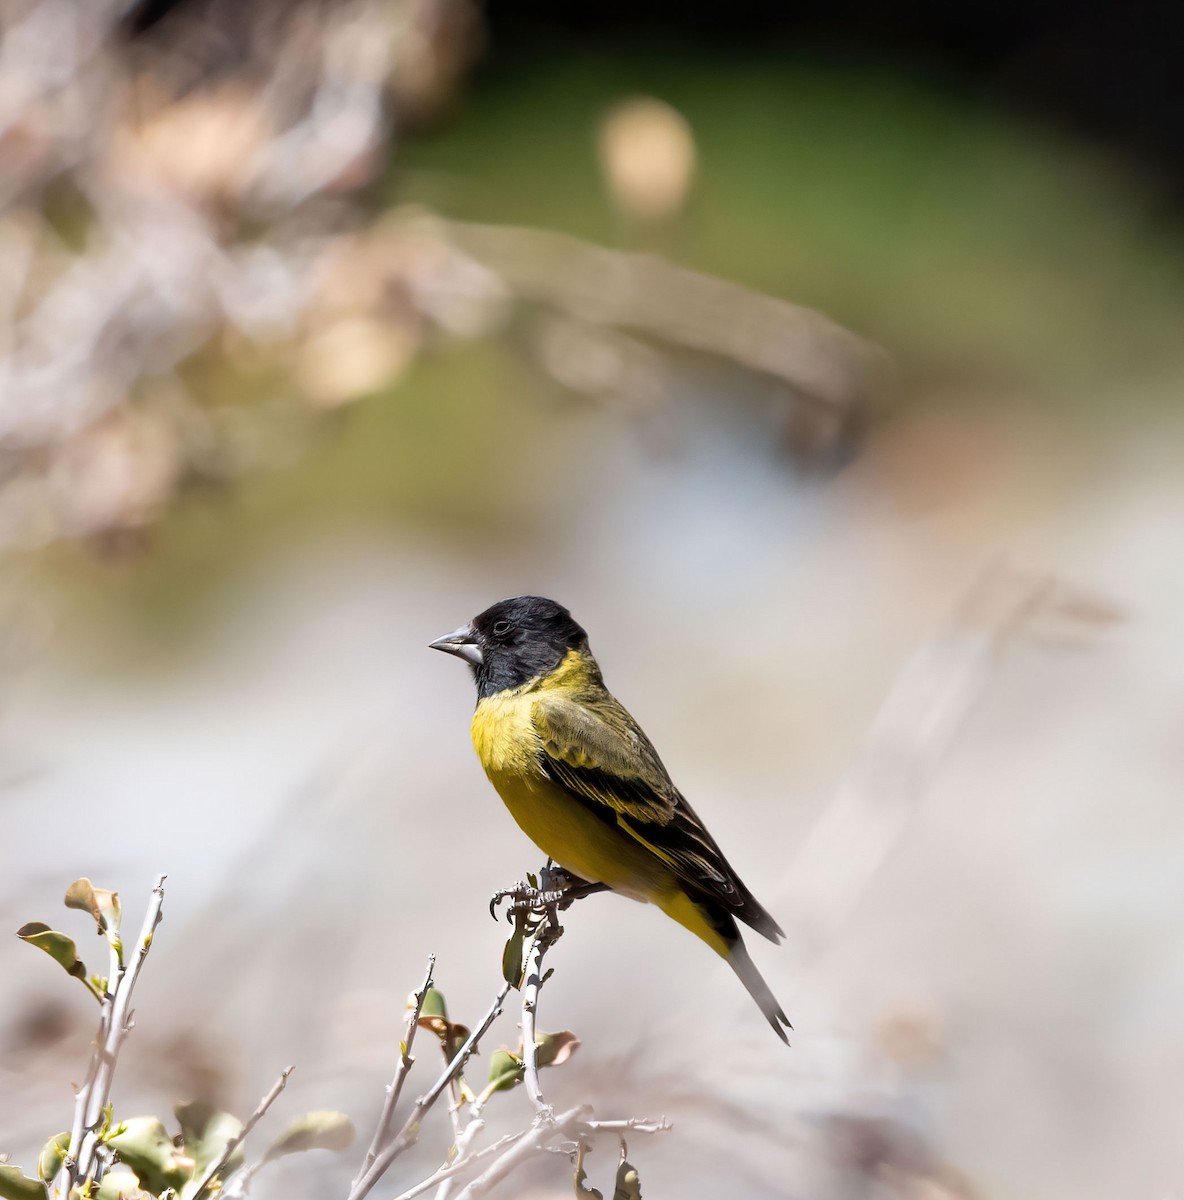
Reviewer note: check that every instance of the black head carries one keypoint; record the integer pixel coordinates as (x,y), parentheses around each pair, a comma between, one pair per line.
(514,641)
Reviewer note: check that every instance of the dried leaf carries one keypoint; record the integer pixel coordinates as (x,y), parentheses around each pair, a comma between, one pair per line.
(16,1186)
(556,1048)
(434,1016)
(99,902)
(313,1131)
(579,1178)
(628,1183)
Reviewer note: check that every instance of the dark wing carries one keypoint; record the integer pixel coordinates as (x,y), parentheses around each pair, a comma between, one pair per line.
(600,755)
(603,757)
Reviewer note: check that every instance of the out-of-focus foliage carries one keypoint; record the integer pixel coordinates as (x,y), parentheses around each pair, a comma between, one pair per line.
(195,275)
(137,1158)
(108,1157)
(189,272)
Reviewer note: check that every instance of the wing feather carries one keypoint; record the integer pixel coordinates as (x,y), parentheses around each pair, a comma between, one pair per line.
(600,756)
(604,758)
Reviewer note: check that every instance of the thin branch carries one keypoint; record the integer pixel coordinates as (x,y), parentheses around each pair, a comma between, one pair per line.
(464,1142)
(820,359)
(234,1143)
(915,728)
(449,1171)
(530,1143)
(395,1088)
(409,1134)
(634,1124)
(114,1026)
(68,1173)
(575,1124)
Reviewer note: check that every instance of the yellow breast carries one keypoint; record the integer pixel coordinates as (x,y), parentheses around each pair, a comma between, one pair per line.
(509,748)
(504,735)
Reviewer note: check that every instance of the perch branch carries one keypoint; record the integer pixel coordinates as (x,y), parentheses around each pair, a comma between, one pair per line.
(547,934)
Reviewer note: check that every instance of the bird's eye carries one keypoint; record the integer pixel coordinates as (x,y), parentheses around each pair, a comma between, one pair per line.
(501,628)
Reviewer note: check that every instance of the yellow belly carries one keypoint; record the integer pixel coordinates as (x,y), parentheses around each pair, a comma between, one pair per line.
(578,840)
(565,829)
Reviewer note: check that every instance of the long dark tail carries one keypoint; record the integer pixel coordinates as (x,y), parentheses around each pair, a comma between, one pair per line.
(758,989)
(717,926)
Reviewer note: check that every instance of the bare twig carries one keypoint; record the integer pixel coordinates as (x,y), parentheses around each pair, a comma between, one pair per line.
(529,1144)
(409,1134)
(447,1174)
(636,1124)
(114,1024)
(917,724)
(234,1143)
(824,362)
(395,1088)
(464,1142)
(574,1125)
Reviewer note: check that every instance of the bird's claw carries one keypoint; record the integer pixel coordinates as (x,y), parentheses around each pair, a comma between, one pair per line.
(556,891)
(524,897)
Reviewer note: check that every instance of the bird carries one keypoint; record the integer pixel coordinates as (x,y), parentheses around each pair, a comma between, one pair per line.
(586,785)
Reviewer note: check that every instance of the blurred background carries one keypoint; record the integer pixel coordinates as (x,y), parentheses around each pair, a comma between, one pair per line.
(825,363)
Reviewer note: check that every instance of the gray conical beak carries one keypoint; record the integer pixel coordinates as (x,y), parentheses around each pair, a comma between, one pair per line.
(463,643)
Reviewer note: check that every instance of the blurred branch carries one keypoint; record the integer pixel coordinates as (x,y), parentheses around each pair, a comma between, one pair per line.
(818,358)
(170,203)
(925,709)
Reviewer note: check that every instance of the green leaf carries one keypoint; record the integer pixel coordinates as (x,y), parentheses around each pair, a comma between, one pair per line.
(206,1132)
(121,1185)
(556,1048)
(15,1186)
(53,1154)
(434,1005)
(512,955)
(505,1071)
(100,903)
(579,1178)
(144,1144)
(313,1131)
(57,945)
(434,1016)
(628,1184)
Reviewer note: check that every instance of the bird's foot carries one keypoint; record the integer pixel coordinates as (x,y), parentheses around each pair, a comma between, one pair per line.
(555,890)
(520,895)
